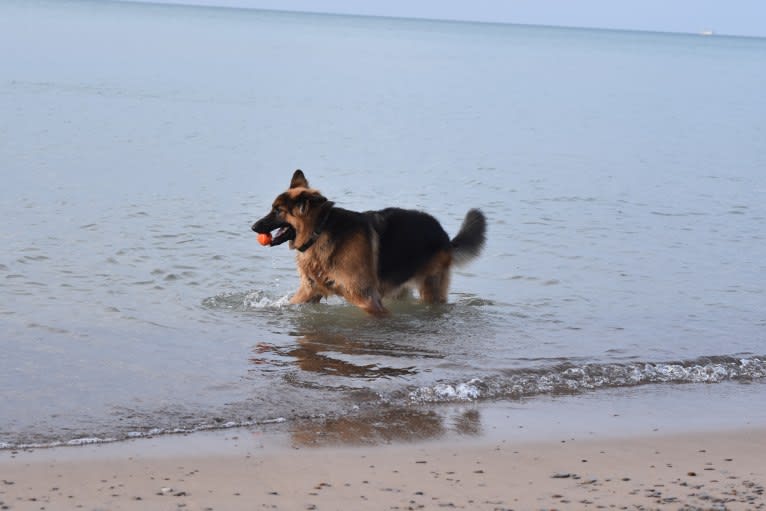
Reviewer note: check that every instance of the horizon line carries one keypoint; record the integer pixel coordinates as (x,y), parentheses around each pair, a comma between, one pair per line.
(703,32)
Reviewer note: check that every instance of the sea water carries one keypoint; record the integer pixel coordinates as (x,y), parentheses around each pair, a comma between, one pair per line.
(621,173)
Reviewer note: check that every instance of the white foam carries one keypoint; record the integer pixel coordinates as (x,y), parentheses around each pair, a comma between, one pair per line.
(465,391)
(89,440)
(58,443)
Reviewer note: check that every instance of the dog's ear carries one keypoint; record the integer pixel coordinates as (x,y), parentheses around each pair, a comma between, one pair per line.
(299,180)
(305,202)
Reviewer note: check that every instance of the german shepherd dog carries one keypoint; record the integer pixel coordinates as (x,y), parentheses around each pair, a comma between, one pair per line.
(365,257)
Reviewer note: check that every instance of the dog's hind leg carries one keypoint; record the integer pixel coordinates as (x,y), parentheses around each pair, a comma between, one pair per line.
(434,285)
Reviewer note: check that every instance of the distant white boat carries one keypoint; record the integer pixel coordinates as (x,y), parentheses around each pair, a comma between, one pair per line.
(707,32)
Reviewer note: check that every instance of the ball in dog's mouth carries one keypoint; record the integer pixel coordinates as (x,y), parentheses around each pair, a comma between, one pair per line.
(264,238)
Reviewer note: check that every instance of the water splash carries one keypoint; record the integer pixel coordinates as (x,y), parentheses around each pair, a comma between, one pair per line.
(245,301)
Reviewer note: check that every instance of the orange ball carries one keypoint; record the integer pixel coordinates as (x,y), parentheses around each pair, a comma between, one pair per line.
(264,238)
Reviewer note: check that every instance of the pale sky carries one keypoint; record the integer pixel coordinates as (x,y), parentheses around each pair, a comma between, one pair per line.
(732,17)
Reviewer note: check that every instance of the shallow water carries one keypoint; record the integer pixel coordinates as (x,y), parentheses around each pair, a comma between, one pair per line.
(621,174)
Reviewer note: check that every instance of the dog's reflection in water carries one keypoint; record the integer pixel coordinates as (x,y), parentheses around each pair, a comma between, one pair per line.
(314,353)
(385,425)
(327,354)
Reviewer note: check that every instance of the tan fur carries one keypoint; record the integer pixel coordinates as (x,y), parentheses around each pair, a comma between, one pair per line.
(303,221)
(329,269)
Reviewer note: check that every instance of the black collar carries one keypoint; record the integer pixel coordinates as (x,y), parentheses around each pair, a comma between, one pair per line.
(321,221)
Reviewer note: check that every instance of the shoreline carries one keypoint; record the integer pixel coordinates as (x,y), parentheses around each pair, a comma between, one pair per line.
(651,407)
(589,452)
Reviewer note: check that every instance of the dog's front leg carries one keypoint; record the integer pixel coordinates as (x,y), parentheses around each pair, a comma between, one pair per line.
(306,293)
(368,300)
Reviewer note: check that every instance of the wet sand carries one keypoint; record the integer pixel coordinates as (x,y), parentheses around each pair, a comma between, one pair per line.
(314,467)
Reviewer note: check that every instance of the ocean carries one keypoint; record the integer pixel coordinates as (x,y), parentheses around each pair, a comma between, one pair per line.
(622,175)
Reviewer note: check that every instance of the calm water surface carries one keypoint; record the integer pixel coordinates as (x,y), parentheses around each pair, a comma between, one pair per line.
(622,175)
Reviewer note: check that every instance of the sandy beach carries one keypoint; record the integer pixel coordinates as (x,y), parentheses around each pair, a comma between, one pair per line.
(315,467)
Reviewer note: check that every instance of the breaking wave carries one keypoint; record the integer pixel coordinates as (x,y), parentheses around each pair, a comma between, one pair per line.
(575,379)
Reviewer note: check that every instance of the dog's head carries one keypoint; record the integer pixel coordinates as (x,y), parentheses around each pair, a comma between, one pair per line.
(294,214)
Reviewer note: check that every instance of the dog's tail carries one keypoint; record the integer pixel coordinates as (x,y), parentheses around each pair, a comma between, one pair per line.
(467,244)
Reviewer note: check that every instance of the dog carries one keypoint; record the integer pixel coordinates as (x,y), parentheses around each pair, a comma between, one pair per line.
(367,256)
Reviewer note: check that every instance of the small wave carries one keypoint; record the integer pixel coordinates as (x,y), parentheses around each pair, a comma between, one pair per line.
(245,301)
(203,427)
(573,379)
(150,432)
(57,443)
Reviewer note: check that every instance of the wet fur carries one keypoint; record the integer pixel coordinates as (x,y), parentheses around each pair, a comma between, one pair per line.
(367,256)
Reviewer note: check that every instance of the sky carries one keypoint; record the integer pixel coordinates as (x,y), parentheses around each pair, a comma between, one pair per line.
(731,17)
